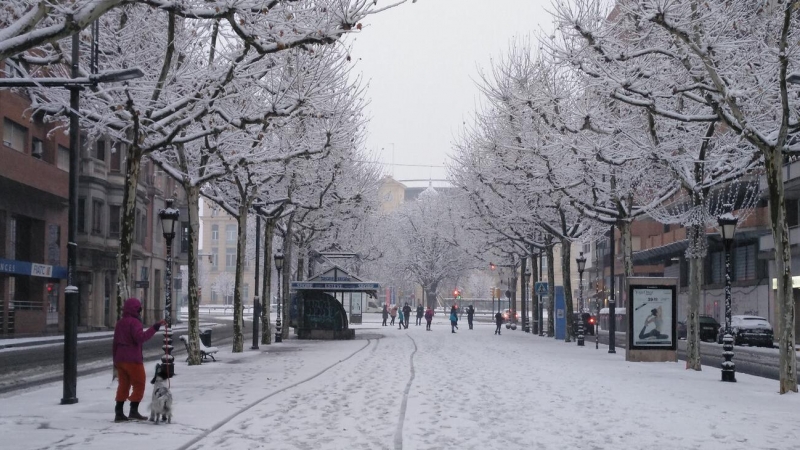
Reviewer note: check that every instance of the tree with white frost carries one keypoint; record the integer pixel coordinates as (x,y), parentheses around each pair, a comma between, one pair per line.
(731,61)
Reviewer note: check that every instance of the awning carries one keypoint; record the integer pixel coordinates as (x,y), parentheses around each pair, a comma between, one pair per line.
(658,254)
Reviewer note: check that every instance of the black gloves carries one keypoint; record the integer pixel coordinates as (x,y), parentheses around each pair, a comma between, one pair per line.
(157,325)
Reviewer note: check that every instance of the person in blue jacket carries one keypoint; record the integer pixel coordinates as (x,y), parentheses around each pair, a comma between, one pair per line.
(453,319)
(400,317)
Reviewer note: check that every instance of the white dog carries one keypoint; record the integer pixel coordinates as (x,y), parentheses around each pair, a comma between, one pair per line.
(161,405)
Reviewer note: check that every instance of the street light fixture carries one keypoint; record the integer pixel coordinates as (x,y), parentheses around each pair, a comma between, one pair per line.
(727,226)
(169,217)
(279,267)
(581,261)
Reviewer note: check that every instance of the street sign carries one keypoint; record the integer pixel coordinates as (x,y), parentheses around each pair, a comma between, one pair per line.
(143,284)
(540,288)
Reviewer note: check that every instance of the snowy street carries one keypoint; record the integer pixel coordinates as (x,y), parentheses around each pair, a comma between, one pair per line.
(412,389)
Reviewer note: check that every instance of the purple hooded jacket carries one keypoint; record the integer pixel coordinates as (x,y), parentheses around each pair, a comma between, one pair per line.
(129,335)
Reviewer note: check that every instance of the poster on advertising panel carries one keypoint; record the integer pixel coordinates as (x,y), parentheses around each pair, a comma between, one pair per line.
(652,316)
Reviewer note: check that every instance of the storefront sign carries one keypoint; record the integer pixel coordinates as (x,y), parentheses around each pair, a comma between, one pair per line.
(652,318)
(32,269)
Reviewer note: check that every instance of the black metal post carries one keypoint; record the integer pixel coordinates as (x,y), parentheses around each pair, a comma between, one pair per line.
(256,315)
(597,323)
(612,312)
(71,295)
(524,294)
(728,366)
(169,217)
(581,337)
(540,299)
(278,330)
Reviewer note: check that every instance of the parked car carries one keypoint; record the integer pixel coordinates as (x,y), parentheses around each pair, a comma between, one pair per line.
(589,322)
(750,330)
(510,316)
(709,328)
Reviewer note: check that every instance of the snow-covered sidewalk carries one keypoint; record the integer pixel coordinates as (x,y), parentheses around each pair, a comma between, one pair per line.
(413,389)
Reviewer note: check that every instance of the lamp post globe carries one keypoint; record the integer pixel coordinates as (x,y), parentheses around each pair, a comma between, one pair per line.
(581,261)
(278,321)
(169,217)
(727,228)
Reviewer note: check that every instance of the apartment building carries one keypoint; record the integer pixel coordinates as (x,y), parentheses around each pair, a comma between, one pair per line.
(34,190)
(217,261)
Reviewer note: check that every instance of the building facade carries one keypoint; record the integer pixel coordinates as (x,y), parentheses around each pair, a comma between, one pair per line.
(34,191)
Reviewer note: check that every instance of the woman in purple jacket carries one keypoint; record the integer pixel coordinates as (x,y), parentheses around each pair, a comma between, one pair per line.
(127,351)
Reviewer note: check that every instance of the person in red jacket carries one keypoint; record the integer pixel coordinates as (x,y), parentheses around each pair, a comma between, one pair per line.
(127,352)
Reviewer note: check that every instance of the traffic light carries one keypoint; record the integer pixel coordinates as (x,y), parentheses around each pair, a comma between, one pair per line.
(49,288)
(456,294)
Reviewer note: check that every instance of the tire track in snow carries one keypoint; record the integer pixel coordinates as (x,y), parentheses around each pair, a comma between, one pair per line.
(398,437)
(224,421)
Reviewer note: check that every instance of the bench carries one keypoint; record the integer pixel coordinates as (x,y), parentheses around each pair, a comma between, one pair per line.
(205,352)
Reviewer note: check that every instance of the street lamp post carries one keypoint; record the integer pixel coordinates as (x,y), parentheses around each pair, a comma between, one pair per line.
(527,290)
(279,267)
(169,217)
(540,299)
(727,226)
(581,261)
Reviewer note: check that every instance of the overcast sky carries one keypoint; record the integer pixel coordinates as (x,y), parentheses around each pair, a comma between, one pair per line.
(422,61)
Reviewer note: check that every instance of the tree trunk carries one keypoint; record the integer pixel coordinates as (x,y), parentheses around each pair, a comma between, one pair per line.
(698,249)
(133,164)
(238,301)
(430,294)
(288,249)
(551,291)
(535,300)
(627,261)
(566,253)
(266,329)
(193,202)
(773,166)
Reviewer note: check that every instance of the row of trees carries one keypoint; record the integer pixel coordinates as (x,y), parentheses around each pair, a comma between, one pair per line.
(667,109)
(244,103)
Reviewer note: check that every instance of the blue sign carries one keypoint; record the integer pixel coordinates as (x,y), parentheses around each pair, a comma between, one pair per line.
(561,314)
(540,288)
(32,269)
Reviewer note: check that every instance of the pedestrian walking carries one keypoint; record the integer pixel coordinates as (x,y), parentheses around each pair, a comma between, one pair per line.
(407,313)
(470,315)
(393,314)
(498,319)
(428,318)
(385,314)
(126,351)
(453,319)
(420,313)
(400,322)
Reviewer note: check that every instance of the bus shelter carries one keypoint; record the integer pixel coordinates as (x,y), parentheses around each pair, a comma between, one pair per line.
(324,305)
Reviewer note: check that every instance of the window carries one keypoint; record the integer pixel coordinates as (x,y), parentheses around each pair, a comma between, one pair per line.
(213,296)
(184,237)
(100,149)
(214,258)
(14,135)
(37,148)
(230,234)
(114,212)
(214,233)
(81,215)
(97,217)
(245,291)
(792,215)
(141,226)
(62,161)
(230,258)
(717,275)
(116,158)
(745,259)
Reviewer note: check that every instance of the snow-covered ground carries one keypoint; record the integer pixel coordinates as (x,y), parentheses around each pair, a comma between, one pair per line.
(413,389)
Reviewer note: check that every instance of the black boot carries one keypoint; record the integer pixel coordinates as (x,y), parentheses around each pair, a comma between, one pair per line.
(119,416)
(134,414)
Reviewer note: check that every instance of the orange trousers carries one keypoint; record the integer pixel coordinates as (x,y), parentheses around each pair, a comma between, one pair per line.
(130,375)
